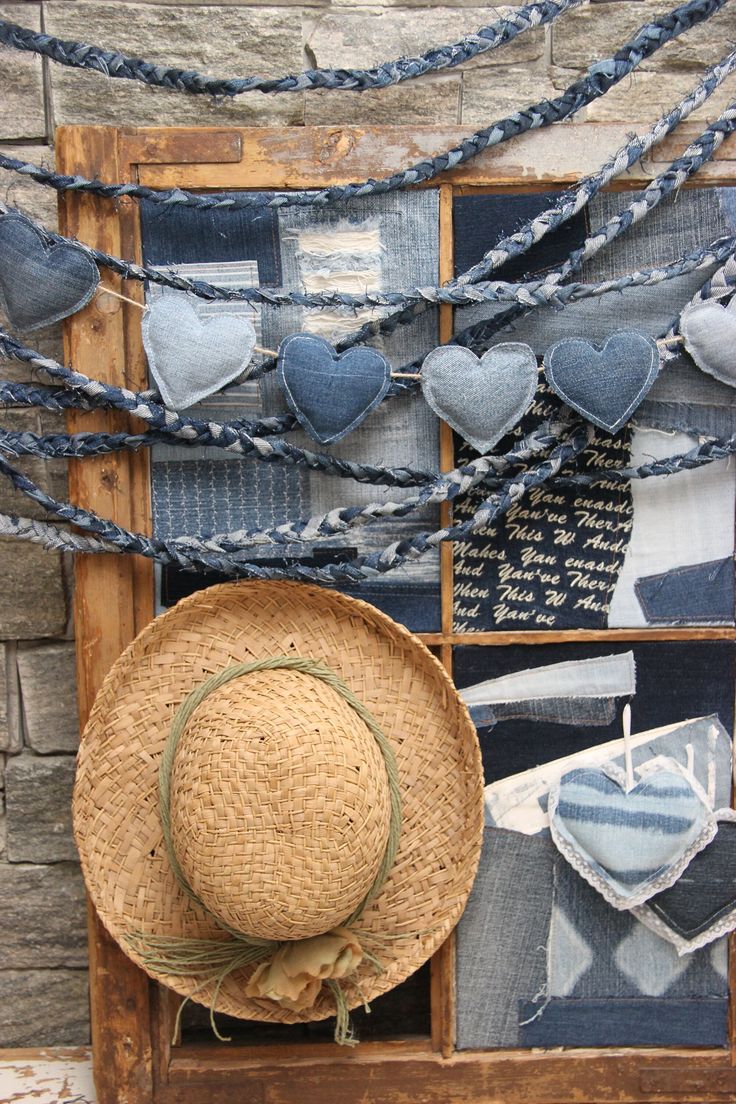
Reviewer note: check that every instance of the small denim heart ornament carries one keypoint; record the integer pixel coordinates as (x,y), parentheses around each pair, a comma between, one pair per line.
(603,384)
(41,282)
(709,330)
(191,358)
(701,906)
(330,393)
(631,844)
(482,399)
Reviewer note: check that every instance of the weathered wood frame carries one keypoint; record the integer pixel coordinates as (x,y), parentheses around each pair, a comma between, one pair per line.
(132,1017)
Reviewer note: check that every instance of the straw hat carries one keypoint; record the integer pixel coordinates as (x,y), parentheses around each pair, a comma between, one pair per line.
(281,808)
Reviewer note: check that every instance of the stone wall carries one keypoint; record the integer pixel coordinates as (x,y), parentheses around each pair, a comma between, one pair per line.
(42,917)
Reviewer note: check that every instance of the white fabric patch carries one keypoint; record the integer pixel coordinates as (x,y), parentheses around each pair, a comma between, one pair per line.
(679,520)
(611,676)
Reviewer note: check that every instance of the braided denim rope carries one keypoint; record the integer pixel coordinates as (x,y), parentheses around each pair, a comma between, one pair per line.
(56,539)
(113,63)
(224,554)
(601,76)
(234,438)
(458,292)
(445,487)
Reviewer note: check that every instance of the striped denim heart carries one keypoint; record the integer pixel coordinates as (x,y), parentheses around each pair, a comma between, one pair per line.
(709,330)
(632,844)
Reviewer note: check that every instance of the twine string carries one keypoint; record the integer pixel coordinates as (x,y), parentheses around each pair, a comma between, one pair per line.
(179,956)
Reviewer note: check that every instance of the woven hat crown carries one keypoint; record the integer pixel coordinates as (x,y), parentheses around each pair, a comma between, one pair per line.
(280,805)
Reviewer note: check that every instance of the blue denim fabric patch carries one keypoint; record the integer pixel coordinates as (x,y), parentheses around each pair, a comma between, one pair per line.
(41,283)
(562,711)
(188,236)
(633,1022)
(604,385)
(481,398)
(554,559)
(478,219)
(502,938)
(330,393)
(698,593)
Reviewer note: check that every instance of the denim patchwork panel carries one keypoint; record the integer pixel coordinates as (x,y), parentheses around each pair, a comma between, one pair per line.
(670,229)
(399,236)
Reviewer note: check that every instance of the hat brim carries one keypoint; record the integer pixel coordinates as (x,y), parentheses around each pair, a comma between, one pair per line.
(115,807)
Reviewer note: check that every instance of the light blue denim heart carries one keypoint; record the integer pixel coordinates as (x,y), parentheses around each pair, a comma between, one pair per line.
(191,358)
(709,330)
(41,282)
(604,384)
(330,393)
(482,399)
(630,845)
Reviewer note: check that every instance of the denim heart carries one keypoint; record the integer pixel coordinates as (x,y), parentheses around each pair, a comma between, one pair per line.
(191,358)
(631,844)
(604,385)
(701,906)
(481,399)
(330,393)
(41,282)
(709,330)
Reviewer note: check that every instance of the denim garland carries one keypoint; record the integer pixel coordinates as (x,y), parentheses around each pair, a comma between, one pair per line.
(113,63)
(601,76)
(238,438)
(456,292)
(226,553)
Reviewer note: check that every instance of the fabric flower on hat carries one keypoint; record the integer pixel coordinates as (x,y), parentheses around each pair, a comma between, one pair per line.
(294,975)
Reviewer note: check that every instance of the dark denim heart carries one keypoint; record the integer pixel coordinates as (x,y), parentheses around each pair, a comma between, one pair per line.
(330,393)
(604,385)
(709,330)
(706,892)
(482,399)
(41,283)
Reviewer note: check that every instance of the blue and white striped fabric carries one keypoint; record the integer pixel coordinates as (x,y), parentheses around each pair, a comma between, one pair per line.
(630,844)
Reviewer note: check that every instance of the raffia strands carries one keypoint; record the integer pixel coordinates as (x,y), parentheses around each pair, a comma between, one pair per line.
(115,803)
(114,64)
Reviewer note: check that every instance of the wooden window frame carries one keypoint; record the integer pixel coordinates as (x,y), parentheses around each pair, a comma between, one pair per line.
(134,1062)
